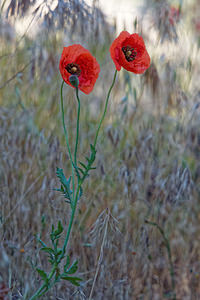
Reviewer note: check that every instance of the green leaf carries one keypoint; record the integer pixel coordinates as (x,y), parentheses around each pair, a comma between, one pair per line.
(83,172)
(55,234)
(59,229)
(88,160)
(59,252)
(51,261)
(76,170)
(67,263)
(48,250)
(92,148)
(42,274)
(65,184)
(73,280)
(80,193)
(61,176)
(73,268)
(83,165)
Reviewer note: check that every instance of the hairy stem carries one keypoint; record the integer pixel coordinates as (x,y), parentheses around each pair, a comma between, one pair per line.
(105,109)
(66,136)
(77,128)
(70,223)
(39,291)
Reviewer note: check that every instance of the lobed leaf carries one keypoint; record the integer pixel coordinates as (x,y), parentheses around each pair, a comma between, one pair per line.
(48,250)
(42,274)
(73,268)
(65,184)
(73,280)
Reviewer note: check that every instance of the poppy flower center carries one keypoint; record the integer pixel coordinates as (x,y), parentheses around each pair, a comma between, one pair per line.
(73,69)
(129,52)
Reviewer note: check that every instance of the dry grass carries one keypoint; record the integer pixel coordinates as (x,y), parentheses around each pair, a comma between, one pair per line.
(147,169)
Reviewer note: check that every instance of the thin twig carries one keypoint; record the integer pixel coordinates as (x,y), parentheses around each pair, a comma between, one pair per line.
(167,245)
(15,75)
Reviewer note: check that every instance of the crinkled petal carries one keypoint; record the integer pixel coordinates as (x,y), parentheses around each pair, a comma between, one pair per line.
(88,65)
(142,59)
(116,46)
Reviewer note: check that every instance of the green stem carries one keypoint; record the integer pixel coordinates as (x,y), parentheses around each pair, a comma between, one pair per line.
(74,204)
(105,109)
(77,127)
(80,183)
(38,293)
(66,135)
(70,223)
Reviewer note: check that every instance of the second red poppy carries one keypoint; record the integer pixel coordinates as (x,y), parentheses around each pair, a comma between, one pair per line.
(129,51)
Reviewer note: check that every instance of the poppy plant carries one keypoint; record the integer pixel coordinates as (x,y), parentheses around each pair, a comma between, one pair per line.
(78,61)
(129,51)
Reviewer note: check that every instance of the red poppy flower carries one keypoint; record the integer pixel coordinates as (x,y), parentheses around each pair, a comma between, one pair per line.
(129,51)
(174,15)
(197,26)
(76,60)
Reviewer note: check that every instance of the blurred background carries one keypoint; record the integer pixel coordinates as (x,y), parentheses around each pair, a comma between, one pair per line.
(148,164)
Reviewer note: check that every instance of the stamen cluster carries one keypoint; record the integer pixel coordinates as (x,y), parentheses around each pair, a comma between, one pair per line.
(130,53)
(73,69)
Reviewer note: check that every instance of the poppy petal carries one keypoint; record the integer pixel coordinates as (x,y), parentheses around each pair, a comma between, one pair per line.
(79,57)
(129,51)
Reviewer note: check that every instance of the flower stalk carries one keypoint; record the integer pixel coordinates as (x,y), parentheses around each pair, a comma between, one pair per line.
(66,134)
(77,127)
(105,109)
(75,195)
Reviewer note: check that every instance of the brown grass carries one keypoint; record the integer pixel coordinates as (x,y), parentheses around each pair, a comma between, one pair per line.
(147,169)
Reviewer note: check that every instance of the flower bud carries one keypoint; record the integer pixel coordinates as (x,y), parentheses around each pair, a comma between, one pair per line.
(74,80)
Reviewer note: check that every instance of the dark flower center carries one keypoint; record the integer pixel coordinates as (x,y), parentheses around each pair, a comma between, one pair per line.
(129,52)
(73,69)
